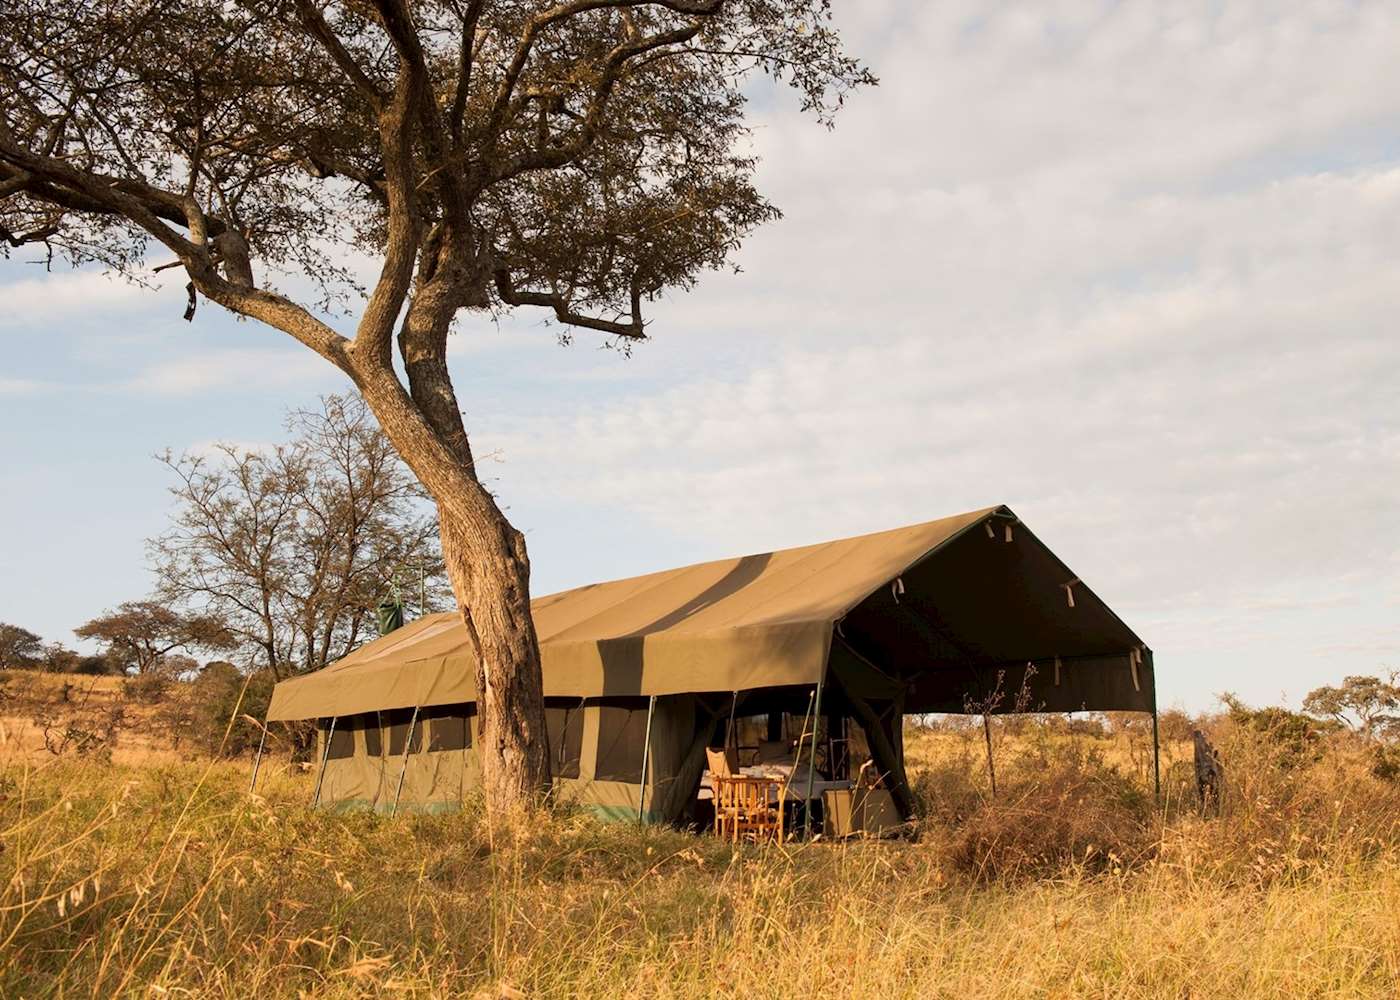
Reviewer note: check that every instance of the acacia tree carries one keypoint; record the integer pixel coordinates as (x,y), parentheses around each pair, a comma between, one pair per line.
(580,157)
(19,647)
(292,547)
(1365,704)
(142,634)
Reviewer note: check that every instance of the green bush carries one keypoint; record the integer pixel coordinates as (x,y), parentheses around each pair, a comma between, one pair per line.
(147,688)
(1385,762)
(215,695)
(1297,739)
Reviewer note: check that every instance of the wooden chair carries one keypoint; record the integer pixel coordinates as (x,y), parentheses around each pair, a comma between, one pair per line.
(722,790)
(745,805)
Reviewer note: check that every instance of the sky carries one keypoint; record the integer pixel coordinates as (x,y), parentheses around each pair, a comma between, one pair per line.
(1131,268)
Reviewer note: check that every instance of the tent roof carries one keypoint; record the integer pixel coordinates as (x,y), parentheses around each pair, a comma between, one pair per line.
(761,620)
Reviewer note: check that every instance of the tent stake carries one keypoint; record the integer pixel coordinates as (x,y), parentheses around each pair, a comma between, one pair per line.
(646,760)
(325,756)
(407,746)
(257,760)
(812,764)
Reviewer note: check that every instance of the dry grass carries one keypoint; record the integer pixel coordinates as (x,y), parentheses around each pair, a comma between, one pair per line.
(169,879)
(41,709)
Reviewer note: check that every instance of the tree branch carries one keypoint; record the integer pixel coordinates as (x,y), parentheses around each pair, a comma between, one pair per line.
(633,329)
(321,31)
(148,207)
(613,65)
(374,336)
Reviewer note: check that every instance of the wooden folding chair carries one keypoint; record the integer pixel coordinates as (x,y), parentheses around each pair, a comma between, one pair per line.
(745,805)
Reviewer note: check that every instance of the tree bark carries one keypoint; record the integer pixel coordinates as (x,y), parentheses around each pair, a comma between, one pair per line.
(489,569)
(490,574)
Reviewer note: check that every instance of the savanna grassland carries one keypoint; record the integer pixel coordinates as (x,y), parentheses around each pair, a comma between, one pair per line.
(139,870)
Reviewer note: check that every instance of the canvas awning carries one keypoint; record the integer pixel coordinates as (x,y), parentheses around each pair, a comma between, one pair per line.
(951,598)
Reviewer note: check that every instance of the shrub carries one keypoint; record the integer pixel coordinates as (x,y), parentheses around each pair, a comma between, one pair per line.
(1296,738)
(95,665)
(1385,762)
(215,694)
(1072,811)
(1174,726)
(149,689)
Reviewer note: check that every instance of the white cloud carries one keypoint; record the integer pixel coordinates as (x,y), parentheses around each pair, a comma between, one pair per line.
(20,386)
(232,368)
(67,296)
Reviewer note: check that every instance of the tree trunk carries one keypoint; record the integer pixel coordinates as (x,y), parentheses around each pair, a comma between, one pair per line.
(483,554)
(490,575)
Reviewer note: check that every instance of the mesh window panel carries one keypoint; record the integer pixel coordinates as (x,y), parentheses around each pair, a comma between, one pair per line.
(621,735)
(342,743)
(448,730)
(374,735)
(398,730)
(564,725)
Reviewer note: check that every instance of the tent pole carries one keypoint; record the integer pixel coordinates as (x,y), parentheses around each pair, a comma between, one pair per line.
(407,746)
(646,760)
(812,763)
(1156,760)
(257,760)
(325,756)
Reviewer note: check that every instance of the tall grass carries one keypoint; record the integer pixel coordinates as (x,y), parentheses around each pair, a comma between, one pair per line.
(171,880)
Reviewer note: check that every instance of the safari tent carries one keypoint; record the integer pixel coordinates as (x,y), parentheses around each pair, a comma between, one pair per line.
(970,613)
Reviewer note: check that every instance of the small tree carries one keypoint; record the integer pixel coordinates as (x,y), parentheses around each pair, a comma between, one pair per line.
(1367,705)
(291,548)
(221,696)
(581,157)
(139,634)
(19,648)
(59,659)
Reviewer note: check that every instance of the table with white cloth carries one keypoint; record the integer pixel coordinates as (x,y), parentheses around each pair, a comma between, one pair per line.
(796,785)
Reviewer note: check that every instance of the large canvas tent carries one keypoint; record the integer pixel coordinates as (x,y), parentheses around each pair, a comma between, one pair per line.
(969,613)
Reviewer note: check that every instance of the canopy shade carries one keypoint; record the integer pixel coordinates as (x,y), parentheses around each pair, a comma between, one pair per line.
(936,607)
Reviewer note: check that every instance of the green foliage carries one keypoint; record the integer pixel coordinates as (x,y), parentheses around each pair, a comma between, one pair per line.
(1363,703)
(223,694)
(1295,738)
(145,633)
(96,665)
(1385,762)
(19,647)
(149,689)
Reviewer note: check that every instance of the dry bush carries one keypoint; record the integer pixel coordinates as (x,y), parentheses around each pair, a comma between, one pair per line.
(1294,804)
(73,719)
(1071,813)
(1385,762)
